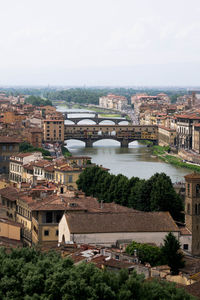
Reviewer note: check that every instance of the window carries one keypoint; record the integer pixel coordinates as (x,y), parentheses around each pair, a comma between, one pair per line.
(57,232)
(185,247)
(197,189)
(196,209)
(70,178)
(188,189)
(188,208)
(49,217)
(46,232)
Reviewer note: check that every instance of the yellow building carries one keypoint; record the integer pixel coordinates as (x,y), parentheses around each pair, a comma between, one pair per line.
(67,175)
(10,229)
(54,130)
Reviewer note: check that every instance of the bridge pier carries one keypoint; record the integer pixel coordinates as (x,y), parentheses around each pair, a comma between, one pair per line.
(89,143)
(124,143)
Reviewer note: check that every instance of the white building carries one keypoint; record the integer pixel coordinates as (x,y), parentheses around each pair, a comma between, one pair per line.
(107,228)
(17,162)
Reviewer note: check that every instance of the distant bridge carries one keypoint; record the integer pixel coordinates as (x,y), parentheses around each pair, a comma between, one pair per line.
(124,134)
(93,117)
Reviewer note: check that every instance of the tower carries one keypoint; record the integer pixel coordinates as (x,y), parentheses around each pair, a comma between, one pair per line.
(192,209)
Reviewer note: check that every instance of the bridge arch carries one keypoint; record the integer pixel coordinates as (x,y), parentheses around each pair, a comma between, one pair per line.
(122,122)
(102,122)
(83,121)
(116,142)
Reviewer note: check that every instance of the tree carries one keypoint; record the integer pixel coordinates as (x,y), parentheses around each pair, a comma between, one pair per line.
(163,196)
(154,194)
(26,147)
(38,101)
(171,253)
(146,253)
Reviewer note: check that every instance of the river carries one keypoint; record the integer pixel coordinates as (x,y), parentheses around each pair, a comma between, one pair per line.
(137,160)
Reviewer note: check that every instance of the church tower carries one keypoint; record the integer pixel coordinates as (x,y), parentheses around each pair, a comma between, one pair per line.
(192,209)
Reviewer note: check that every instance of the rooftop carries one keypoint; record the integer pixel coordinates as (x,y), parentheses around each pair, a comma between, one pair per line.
(121,222)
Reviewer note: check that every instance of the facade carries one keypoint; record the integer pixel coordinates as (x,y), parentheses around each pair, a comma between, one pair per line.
(106,229)
(196,138)
(54,130)
(67,175)
(184,127)
(192,210)
(114,102)
(35,137)
(166,136)
(10,229)
(8,147)
(17,163)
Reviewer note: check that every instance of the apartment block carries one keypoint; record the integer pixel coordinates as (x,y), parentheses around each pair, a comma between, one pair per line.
(54,130)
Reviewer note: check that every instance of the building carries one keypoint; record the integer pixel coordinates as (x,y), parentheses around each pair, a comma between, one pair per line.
(166,136)
(17,163)
(196,138)
(35,137)
(10,229)
(8,147)
(114,102)
(39,209)
(192,210)
(107,228)
(54,130)
(184,127)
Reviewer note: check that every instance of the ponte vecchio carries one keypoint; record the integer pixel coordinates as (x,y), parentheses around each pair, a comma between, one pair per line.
(125,134)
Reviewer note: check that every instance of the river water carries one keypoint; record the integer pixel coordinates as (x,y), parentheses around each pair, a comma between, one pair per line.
(137,160)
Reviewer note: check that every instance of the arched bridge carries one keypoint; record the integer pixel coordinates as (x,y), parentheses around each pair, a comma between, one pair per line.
(97,120)
(125,134)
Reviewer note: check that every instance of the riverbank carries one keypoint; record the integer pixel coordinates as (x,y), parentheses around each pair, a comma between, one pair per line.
(163,153)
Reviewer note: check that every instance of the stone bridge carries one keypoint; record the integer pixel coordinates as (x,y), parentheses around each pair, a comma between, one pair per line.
(97,120)
(93,117)
(124,134)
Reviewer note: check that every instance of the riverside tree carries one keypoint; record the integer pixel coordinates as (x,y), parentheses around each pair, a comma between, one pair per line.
(154,194)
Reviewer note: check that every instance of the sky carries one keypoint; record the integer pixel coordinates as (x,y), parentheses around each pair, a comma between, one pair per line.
(100,42)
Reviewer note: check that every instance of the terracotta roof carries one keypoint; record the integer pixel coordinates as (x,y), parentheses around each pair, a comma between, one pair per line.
(192,176)
(191,117)
(9,139)
(24,154)
(120,222)
(42,163)
(166,128)
(6,221)
(184,230)
(10,193)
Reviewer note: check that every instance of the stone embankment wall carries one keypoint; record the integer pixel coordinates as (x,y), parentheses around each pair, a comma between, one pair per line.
(194,158)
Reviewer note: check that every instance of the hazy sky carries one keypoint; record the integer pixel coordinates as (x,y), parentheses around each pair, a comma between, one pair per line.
(100,42)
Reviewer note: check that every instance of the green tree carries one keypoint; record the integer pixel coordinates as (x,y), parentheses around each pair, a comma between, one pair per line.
(26,147)
(146,253)
(163,196)
(37,101)
(172,254)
